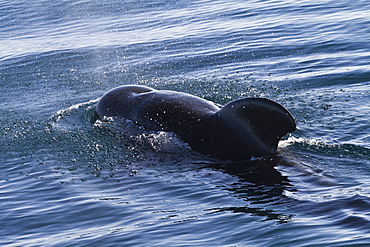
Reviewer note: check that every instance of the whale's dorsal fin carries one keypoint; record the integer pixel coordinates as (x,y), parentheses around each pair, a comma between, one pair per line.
(251,127)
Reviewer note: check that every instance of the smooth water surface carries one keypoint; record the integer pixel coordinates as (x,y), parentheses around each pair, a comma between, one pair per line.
(67,182)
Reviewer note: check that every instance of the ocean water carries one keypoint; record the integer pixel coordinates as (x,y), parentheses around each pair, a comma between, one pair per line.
(67,182)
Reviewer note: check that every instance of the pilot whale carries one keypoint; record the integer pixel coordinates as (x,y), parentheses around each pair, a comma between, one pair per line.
(244,128)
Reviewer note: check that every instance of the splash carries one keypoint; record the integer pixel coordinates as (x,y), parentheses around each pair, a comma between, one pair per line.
(88,107)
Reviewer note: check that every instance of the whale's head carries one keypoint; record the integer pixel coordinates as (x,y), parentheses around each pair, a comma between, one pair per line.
(118,101)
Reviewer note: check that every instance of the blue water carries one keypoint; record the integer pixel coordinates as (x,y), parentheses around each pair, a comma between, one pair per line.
(67,182)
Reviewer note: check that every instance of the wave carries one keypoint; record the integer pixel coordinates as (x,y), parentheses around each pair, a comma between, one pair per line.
(336,149)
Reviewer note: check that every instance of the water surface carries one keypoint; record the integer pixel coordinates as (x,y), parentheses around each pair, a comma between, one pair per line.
(67,182)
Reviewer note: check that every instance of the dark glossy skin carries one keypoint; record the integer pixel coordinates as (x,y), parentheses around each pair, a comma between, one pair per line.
(241,129)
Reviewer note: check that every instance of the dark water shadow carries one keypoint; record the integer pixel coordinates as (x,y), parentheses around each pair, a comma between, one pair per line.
(261,186)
